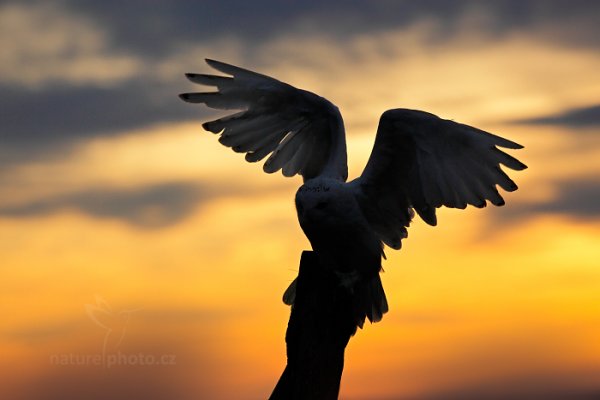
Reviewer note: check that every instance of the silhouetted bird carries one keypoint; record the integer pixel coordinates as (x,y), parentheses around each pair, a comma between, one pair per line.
(419,162)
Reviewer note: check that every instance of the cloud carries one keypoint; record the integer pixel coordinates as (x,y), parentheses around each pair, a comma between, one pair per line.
(151,206)
(158,29)
(46,124)
(148,207)
(574,118)
(577,198)
(68,112)
(86,68)
(523,391)
(87,42)
(42,44)
(125,383)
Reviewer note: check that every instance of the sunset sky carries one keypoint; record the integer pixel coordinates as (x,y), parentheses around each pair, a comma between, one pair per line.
(126,230)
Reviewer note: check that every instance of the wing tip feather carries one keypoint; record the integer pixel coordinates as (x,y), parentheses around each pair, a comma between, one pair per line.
(221,66)
(498,202)
(427,214)
(211,99)
(508,144)
(253,157)
(207,80)
(212,62)
(185,97)
(211,126)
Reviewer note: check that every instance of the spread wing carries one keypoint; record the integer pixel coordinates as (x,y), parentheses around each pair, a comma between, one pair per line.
(423,162)
(303,133)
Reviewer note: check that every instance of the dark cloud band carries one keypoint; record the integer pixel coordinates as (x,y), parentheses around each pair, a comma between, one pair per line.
(151,206)
(574,118)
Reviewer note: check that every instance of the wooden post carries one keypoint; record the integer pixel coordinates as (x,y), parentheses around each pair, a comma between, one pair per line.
(320,326)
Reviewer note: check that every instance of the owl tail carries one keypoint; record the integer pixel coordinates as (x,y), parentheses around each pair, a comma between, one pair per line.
(369,300)
(367,295)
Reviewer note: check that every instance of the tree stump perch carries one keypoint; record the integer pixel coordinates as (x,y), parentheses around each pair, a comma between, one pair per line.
(321,323)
